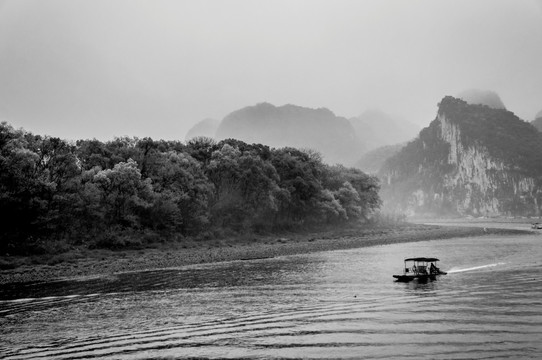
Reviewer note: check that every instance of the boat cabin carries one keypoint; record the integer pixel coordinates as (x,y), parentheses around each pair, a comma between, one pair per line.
(421,268)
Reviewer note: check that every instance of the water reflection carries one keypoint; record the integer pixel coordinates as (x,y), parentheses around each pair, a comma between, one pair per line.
(425,287)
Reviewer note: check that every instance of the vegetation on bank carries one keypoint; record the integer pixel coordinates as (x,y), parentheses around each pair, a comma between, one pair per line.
(128,192)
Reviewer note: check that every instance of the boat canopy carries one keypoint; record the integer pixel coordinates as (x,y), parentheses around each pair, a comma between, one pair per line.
(422,259)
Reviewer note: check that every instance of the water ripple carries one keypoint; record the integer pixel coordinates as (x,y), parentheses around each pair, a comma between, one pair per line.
(312,306)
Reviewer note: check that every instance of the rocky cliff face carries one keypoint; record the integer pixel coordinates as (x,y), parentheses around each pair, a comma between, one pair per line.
(471,160)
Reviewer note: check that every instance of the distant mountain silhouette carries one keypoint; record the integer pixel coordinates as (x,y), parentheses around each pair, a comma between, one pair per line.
(295,126)
(372,161)
(482,97)
(471,160)
(206,127)
(537,122)
(375,128)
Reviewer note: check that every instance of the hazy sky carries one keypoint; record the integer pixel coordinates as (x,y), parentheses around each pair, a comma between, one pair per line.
(84,69)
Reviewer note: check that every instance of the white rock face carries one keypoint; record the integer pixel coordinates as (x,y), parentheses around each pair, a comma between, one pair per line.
(447,170)
(479,177)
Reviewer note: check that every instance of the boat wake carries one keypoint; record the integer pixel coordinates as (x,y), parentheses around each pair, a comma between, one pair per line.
(474,268)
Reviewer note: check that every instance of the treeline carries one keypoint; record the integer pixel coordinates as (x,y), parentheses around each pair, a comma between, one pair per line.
(129,191)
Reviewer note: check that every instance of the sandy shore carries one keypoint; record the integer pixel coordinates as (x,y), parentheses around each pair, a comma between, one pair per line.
(100,262)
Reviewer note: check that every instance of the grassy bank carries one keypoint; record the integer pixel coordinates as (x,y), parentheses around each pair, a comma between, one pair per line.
(83,262)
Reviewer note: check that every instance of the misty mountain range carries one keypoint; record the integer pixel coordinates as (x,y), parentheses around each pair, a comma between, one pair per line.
(475,158)
(338,139)
(355,141)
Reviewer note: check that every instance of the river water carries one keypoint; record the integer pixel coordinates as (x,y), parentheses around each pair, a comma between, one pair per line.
(337,304)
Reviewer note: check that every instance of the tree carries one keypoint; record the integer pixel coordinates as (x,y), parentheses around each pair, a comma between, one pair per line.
(25,190)
(183,194)
(224,172)
(123,194)
(299,174)
(92,153)
(356,191)
(201,149)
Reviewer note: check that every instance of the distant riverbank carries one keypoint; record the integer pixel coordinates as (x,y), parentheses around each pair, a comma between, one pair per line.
(85,263)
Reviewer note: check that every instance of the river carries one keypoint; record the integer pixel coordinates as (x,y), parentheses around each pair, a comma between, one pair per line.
(336,304)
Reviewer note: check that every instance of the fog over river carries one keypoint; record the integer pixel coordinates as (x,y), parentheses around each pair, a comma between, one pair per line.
(337,304)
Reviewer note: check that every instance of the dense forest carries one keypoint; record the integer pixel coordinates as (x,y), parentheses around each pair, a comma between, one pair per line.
(130,191)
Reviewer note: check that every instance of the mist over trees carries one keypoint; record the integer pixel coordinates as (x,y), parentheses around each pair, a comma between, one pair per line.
(129,191)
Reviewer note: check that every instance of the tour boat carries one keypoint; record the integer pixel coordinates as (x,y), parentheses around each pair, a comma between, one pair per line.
(421,269)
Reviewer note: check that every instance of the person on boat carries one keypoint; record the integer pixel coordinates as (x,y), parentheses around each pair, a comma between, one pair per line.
(422,270)
(414,269)
(433,269)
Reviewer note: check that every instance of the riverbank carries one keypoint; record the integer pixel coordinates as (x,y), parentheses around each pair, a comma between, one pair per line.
(84,263)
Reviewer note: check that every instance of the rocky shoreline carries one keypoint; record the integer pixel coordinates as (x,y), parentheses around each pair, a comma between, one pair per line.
(100,262)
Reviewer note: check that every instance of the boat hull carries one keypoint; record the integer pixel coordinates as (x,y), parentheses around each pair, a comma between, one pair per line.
(419,278)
